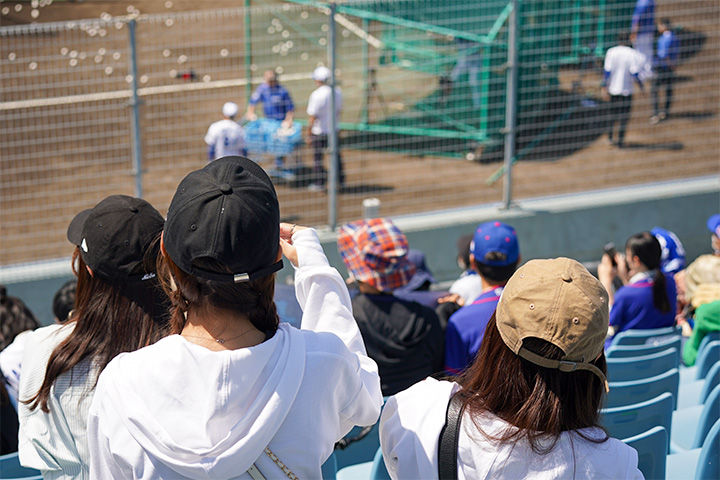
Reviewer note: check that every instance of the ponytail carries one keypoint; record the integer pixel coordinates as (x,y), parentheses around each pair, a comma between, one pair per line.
(660,296)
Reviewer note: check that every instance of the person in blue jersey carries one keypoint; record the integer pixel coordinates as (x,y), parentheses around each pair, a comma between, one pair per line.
(666,58)
(276,100)
(642,33)
(277,105)
(494,255)
(648,298)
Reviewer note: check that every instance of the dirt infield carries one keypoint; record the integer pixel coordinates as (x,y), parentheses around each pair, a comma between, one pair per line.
(574,156)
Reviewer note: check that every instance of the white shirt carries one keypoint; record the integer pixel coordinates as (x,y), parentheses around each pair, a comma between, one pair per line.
(178,410)
(226,136)
(54,443)
(469,287)
(10,363)
(410,426)
(623,62)
(319,107)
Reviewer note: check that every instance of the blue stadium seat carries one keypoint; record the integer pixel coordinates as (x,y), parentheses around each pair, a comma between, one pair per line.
(360,451)
(652,455)
(696,392)
(631,420)
(636,368)
(373,470)
(645,337)
(691,425)
(329,468)
(706,359)
(10,467)
(700,463)
(710,337)
(622,351)
(636,391)
(352,450)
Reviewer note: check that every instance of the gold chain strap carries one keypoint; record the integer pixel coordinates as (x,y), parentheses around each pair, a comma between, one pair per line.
(280,464)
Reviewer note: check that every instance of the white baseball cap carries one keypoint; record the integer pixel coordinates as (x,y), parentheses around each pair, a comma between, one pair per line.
(230,109)
(321,74)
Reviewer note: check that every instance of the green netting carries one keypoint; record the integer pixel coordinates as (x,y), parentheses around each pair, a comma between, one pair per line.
(434,37)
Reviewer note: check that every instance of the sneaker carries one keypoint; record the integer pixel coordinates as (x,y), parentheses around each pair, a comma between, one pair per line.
(287,174)
(314,187)
(282,174)
(655,119)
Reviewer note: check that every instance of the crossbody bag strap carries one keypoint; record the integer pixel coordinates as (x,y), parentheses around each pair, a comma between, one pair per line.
(256,474)
(449,436)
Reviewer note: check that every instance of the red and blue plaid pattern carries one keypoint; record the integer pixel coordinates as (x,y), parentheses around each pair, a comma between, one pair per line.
(375,252)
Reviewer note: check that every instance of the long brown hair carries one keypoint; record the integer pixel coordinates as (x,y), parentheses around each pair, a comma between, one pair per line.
(541,402)
(255,298)
(109,319)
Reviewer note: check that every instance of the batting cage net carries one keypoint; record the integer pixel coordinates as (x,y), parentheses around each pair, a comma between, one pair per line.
(437,101)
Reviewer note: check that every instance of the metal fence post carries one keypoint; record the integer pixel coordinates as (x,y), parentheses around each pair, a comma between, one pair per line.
(248,52)
(135,118)
(333,134)
(510,103)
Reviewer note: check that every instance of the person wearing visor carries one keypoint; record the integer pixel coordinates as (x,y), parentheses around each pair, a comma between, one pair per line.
(234,393)
(119,307)
(529,405)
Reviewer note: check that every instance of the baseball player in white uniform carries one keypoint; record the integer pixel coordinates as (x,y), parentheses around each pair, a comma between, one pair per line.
(623,64)
(318,111)
(226,137)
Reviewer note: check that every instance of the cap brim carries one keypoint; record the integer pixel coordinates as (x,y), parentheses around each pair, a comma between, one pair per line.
(75,230)
(417,281)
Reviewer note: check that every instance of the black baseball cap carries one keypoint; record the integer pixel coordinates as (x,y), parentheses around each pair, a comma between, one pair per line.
(227,211)
(114,236)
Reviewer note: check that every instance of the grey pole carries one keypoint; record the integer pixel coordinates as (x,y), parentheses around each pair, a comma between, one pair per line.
(333,134)
(135,118)
(248,52)
(510,104)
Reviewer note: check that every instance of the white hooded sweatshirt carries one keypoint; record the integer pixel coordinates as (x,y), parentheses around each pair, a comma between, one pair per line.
(178,410)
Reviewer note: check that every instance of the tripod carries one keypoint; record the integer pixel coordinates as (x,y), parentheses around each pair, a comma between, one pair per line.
(372,91)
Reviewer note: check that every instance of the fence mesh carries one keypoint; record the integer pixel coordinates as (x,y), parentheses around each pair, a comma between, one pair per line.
(424,86)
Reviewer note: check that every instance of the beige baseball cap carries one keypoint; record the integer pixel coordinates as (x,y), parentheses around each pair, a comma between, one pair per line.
(559,301)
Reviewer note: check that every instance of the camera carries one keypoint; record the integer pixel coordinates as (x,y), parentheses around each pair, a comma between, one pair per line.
(610,250)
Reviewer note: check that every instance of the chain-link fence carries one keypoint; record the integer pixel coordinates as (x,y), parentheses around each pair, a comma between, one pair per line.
(90,108)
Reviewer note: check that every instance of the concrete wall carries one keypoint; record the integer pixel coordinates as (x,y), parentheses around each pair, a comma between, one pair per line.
(576,226)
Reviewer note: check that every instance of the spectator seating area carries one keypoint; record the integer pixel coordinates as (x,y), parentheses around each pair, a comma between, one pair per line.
(668,412)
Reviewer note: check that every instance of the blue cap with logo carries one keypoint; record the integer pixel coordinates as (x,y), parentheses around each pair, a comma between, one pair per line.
(713,224)
(673,253)
(495,244)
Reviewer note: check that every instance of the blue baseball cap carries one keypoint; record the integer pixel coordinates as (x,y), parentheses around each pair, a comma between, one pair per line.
(495,237)
(713,224)
(673,253)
